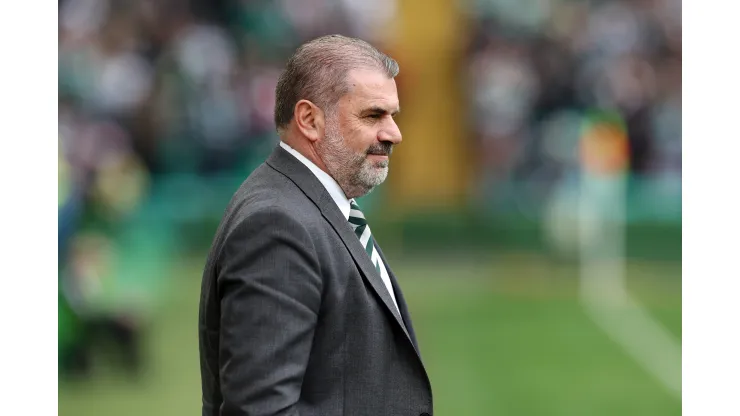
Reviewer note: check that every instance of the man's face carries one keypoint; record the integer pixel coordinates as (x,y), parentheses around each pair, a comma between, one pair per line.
(361,133)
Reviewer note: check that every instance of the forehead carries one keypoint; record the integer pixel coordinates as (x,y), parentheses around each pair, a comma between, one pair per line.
(371,88)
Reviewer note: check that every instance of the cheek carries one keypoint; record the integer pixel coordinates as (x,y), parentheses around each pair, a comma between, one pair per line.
(360,138)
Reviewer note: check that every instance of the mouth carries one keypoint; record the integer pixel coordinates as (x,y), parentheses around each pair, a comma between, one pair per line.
(380,151)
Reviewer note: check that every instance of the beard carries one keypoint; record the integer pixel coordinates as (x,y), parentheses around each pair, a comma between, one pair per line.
(354,172)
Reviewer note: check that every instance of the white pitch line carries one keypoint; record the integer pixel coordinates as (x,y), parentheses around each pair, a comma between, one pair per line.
(643,338)
(602,283)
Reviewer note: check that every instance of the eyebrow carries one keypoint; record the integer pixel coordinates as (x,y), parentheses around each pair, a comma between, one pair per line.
(379,110)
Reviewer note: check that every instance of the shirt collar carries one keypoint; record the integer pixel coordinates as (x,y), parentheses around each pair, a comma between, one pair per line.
(335,191)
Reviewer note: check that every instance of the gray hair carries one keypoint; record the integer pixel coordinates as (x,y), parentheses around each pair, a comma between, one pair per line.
(317,72)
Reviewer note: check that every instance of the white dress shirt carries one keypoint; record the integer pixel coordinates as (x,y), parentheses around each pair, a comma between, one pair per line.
(342,202)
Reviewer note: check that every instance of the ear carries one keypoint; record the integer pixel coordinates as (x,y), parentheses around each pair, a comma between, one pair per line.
(309,119)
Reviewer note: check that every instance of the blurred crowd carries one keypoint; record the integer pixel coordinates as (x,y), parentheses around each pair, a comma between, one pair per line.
(537,69)
(183,85)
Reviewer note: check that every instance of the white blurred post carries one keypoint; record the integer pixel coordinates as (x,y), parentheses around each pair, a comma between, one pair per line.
(602,205)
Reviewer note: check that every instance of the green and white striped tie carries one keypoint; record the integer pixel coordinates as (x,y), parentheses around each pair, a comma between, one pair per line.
(362,230)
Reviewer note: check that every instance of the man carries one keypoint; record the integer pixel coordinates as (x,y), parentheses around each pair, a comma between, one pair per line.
(299,312)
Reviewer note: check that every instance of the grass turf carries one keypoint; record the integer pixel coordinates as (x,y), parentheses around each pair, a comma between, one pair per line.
(500,336)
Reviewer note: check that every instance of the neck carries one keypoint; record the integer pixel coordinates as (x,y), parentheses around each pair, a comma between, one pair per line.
(307,149)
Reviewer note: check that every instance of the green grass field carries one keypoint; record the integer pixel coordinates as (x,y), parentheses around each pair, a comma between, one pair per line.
(503,336)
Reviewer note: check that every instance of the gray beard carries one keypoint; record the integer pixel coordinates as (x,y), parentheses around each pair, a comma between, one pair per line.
(355,174)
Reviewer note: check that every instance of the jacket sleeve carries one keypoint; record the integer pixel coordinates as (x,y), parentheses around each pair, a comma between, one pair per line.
(270,289)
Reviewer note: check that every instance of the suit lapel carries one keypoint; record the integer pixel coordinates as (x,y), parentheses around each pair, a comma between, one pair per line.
(297,172)
(342,227)
(402,306)
(404,309)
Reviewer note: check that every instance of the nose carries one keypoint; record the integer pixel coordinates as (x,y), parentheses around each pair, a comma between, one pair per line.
(390,132)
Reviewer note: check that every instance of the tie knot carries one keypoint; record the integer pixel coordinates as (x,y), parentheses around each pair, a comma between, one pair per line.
(353,206)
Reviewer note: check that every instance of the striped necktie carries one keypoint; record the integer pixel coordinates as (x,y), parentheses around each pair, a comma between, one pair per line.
(362,230)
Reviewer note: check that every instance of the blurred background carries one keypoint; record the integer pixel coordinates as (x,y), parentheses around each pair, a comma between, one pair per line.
(532,214)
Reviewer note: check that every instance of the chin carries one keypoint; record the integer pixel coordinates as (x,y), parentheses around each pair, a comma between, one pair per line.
(379,175)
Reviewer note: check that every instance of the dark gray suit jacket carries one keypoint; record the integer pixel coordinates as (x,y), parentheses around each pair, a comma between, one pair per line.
(294,318)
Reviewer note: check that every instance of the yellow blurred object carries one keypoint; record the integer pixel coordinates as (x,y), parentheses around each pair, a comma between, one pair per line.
(431,167)
(604,149)
(121,183)
(64,179)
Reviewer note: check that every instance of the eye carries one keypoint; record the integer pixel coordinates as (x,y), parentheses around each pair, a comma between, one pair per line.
(376,116)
